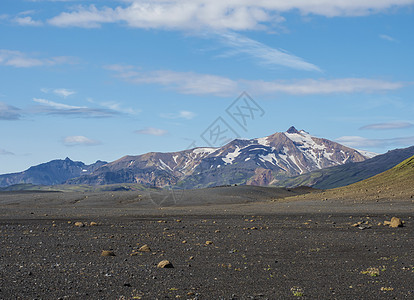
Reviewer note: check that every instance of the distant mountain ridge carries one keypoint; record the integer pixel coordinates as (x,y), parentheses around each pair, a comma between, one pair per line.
(395,183)
(343,175)
(50,173)
(259,161)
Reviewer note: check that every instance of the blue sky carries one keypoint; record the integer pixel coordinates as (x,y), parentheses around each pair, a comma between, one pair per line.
(102,79)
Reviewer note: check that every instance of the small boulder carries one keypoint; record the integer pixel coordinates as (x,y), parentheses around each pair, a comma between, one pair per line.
(165,264)
(79,224)
(93,224)
(107,253)
(144,248)
(396,222)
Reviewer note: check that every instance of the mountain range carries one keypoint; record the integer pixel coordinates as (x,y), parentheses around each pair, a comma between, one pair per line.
(260,161)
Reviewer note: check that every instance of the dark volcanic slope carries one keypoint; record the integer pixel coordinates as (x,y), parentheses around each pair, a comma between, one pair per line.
(53,172)
(393,184)
(350,173)
(155,198)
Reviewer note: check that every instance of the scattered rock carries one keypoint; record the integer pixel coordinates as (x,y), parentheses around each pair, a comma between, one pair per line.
(209,242)
(107,253)
(145,248)
(165,264)
(396,222)
(79,224)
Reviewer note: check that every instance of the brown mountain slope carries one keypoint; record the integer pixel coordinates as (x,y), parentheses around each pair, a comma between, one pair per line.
(396,183)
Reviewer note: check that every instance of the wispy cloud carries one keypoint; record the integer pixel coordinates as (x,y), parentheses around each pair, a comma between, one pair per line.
(387,38)
(116,106)
(27,21)
(64,92)
(184,82)
(388,125)
(323,86)
(5,152)
(152,131)
(22,60)
(183,114)
(55,108)
(361,142)
(266,55)
(206,84)
(214,14)
(79,140)
(8,112)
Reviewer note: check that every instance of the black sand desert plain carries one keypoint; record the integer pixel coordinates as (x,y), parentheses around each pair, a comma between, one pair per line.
(243,243)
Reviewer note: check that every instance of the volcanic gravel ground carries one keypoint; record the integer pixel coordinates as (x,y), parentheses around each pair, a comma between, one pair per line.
(215,256)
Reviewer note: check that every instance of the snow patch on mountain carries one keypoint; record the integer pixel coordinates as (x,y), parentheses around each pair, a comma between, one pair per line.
(271,158)
(164,165)
(231,156)
(263,141)
(204,150)
(367,154)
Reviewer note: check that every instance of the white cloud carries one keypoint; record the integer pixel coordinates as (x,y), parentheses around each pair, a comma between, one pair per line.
(27,21)
(387,38)
(205,84)
(388,125)
(55,108)
(184,82)
(63,92)
(5,152)
(152,131)
(79,140)
(184,114)
(266,55)
(21,60)
(322,86)
(216,14)
(361,142)
(8,112)
(56,104)
(60,92)
(116,106)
